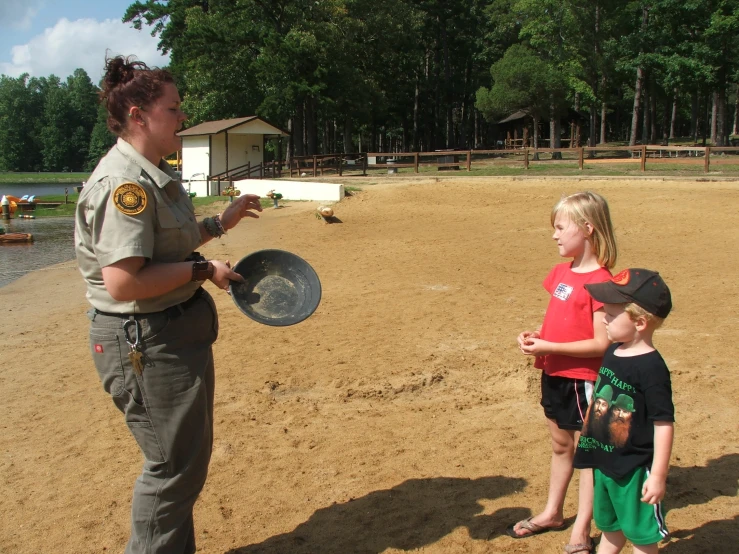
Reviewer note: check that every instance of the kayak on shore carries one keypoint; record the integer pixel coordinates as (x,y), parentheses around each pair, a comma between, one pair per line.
(12,238)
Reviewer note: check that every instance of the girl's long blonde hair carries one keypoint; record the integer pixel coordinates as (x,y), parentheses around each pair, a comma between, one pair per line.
(590,207)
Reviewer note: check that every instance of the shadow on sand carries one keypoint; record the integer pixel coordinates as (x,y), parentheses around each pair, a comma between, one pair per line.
(687,486)
(416,513)
(710,538)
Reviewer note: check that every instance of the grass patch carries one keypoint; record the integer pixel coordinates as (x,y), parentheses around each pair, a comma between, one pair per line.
(65,210)
(202,204)
(43,177)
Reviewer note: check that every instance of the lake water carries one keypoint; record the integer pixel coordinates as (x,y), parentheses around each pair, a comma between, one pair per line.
(53,244)
(39,189)
(53,236)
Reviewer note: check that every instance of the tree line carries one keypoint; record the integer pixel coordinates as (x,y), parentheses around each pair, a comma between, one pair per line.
(410,75)
(345,75)
(47,124)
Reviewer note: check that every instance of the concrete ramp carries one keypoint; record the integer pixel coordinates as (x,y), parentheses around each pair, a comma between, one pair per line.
(293,190)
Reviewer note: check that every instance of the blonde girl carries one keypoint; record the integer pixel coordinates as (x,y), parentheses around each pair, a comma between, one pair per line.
(568,348)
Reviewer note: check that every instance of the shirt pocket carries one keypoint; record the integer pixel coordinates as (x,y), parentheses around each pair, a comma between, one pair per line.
(169,245)
(188,202)
(167,219)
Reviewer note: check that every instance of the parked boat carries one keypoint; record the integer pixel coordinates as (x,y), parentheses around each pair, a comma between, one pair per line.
(12,238)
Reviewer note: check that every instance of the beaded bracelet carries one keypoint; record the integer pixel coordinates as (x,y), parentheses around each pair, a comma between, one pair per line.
(211,227)
(221,228)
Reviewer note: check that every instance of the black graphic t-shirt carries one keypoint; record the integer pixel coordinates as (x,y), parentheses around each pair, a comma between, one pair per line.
(631,393)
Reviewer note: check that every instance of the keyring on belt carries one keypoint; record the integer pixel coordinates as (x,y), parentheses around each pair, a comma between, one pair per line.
(135,354)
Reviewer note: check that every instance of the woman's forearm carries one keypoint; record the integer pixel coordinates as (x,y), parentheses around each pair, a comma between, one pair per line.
(130,279)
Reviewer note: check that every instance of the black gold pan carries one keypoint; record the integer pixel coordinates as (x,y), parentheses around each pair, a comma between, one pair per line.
(279,288)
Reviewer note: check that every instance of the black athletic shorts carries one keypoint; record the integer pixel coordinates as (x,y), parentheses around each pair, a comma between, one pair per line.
(565,400)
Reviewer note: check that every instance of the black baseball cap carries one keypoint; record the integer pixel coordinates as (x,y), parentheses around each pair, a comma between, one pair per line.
(643,287)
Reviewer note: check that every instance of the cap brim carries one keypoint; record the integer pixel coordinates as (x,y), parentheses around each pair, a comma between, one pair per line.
(607,293)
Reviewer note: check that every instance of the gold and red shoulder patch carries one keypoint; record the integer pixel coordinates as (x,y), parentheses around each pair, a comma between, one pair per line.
(622,278)
(130,198)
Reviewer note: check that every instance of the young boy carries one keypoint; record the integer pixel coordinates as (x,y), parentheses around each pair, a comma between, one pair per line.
(629,441)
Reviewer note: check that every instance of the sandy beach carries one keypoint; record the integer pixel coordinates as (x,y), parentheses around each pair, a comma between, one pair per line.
(400,417)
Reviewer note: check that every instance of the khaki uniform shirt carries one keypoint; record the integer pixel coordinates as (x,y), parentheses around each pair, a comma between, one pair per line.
(132,208)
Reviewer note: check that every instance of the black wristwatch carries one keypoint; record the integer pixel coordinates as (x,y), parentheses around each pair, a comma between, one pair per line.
(202,271)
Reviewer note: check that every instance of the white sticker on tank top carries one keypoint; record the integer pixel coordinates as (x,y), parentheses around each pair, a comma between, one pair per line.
(563,291)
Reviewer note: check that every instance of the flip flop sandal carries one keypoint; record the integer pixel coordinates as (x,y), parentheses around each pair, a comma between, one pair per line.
(576,548)
(533,528)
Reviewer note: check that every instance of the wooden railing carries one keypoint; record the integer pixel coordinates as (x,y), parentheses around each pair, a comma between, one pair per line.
(322,164)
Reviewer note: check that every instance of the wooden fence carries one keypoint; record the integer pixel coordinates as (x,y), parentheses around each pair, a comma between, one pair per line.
(321,164)
(338,164)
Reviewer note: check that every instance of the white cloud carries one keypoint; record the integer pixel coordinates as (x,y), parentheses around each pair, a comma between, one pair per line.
(82,43)
(18,14)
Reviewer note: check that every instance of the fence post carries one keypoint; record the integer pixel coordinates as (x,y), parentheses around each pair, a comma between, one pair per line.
(526,158)
(580,158)
(364,164)
(248,170)
(707,160)
(315,165)
(644,157)
(469,160)
(291,167)
(415,162)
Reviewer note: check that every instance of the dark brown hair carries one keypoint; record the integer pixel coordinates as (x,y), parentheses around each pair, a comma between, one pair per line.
(127,83)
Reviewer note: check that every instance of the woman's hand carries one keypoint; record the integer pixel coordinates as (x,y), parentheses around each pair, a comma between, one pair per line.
(223,274)
(239,209)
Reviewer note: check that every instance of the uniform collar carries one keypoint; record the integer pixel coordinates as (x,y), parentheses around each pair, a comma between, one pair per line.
(161,175)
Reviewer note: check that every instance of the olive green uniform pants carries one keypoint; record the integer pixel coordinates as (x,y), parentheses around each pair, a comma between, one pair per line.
(169,411)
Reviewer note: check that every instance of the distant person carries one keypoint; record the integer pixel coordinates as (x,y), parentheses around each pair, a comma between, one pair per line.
(152,323)
(568,348)
(630,468)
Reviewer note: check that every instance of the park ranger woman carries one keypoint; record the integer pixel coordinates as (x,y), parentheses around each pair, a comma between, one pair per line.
(152,323)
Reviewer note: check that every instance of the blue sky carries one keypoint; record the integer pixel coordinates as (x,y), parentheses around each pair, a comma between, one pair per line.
(41,37)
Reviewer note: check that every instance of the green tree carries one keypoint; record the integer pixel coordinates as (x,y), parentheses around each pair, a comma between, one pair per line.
(83,96)
(522,81)
(101,139)
(19,112)
(58,128)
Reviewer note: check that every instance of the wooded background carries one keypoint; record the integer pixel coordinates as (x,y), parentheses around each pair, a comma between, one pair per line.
(410,75)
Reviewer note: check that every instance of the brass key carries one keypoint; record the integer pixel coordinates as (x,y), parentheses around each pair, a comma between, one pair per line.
(136,358)
(134,355)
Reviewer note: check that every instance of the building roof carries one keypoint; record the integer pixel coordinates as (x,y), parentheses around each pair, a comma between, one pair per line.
(516,115)
(222,125)
(570,115)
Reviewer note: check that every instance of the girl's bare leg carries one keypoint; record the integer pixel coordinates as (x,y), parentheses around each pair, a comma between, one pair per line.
(563,451)
(580,533)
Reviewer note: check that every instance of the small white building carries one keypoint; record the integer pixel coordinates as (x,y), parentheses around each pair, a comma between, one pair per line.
(228,148)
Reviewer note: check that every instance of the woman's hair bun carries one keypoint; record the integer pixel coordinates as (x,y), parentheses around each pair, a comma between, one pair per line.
(120,70)
(129,82)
